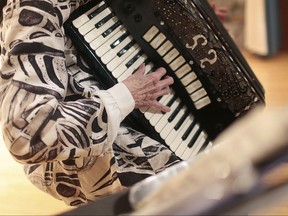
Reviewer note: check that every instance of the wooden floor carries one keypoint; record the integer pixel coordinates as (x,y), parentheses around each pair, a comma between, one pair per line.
(19,197)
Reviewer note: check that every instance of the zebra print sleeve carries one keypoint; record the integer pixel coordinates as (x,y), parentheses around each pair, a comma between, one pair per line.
(38,125)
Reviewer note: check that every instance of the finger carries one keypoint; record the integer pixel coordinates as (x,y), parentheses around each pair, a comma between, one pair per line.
(159,106)
(141,69)
(155,81)
(167,81)
(151,96)
(159,90)
(159,73)
(155,105)
(163,84)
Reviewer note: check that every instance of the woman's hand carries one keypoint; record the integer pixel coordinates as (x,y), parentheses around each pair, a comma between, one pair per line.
(146,88)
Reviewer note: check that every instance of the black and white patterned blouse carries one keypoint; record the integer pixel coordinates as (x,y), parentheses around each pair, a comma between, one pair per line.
(56,119)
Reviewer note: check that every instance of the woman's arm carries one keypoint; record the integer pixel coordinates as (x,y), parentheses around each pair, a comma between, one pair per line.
(38,125)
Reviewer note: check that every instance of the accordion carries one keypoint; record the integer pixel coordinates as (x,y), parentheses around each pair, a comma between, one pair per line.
(213,84)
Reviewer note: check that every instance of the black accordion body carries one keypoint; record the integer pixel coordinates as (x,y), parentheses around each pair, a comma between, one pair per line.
(213,84)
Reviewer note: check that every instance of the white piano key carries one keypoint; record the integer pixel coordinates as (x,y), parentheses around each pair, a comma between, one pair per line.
(198,94)
(202,103)
(133,67)
(163,100)
(81,20)
(116,61)
(164,117)
(180,150)
(173,134)
(148,68)
(162,50)
(174,137)
(88,26)
(171,137)
(167,129)
(100,40)
(209,146)
(178,139)
(186,154)
(151,33)
(194,86)
(89,37)
(151,111)
(162,126)
(197,145)
(183,146)
(104,48)
(171,55)
(157,116)
(112,53)
(118,65)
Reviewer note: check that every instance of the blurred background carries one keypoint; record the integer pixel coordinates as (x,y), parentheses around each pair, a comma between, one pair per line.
(258,28)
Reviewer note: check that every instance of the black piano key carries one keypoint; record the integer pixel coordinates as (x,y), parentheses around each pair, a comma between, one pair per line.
(171,101)
(205,144)
(195,137)
(111,29)
(97,11)
(131,61)
(189,130)
(153,68)
(175,112)
(182,119)
(104,20)
(147,61)
(126,48)
(119,40)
